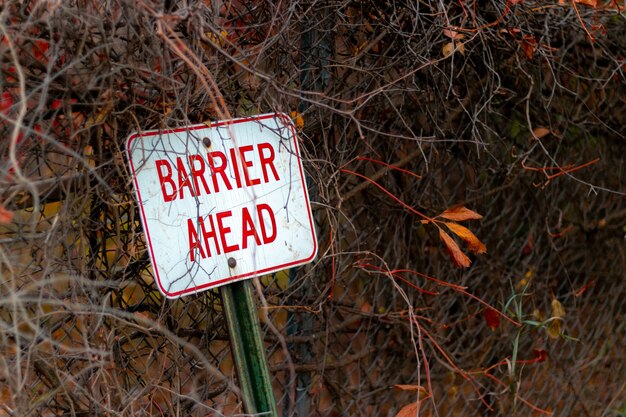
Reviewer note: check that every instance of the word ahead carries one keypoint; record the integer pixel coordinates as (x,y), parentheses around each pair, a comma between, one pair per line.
(217,235)
(222,202)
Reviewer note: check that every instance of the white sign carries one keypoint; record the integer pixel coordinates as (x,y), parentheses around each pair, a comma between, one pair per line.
(222,203)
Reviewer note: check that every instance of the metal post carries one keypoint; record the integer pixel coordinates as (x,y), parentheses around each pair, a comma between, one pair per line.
(247,348)
(300,326)
(315,47)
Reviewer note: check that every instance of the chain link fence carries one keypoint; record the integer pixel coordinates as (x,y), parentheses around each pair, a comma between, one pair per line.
(512,109)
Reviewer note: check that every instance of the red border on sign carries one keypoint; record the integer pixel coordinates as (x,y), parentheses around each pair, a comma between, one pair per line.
(191,290)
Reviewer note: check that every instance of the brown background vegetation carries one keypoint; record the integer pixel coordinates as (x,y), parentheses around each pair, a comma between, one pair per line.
(514,109)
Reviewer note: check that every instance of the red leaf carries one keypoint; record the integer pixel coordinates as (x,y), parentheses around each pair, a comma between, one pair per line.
(6,101)
(459,214)
(599,28)
(528,247)
(40,49)
(540,355)
(458,257)
(567,230)
(492,318)
(584,288)
(6,216)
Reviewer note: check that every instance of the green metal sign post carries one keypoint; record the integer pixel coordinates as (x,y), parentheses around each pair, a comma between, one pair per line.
(247,348)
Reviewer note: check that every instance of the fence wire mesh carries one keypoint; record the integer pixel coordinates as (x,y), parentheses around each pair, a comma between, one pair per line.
(513,109)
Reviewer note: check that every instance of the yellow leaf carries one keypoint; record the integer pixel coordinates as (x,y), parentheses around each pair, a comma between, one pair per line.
(459,214)
(521,284)
(554,329)
(458,258)
(468,237)
(557,309)
(218,39)
(528,276)
(537,315)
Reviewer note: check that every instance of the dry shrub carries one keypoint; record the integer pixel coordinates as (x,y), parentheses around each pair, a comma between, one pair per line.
(512,109)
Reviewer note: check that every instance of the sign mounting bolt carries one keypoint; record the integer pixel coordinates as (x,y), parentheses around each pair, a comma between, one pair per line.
(232,262)
(206,142)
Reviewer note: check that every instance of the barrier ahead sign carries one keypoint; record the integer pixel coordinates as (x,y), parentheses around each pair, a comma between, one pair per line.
(222,203)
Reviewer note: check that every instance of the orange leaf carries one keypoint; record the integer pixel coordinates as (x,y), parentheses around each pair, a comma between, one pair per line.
(460,47)
(459,214)
(529,45)
(452,34)
(468,237)
(409,410)
(458,258)
(592,3)
(6,216)
(297,119)
(410,388)
(540,132)
(366,307)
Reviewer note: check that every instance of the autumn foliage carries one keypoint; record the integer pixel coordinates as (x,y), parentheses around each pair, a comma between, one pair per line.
(466,168)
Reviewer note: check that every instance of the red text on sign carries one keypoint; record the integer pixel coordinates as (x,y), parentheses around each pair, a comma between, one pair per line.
(191,175)
(214,233)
